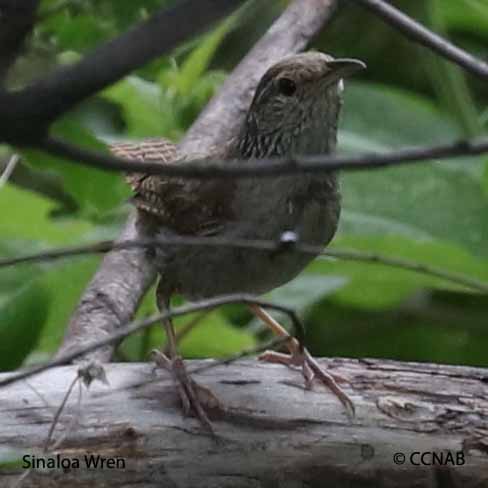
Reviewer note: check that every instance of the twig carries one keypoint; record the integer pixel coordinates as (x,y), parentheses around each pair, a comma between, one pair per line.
(46,448)
(418,33)
(74,419)
(374,258)
(136,326)
(42,182)
(253,244)
(9,169)
(59,411)
(267,167)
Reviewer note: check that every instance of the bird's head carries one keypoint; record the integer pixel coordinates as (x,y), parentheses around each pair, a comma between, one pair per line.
(296,106)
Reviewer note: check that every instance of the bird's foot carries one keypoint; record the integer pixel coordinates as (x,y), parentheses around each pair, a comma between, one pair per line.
(311,370)
(195,398)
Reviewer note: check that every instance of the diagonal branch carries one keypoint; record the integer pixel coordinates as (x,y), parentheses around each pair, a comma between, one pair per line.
(6,170)
(23,118)
(114,293)
(418,33)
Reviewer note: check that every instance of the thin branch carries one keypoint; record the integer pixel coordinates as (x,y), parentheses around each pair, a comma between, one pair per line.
(23,118)
(58,413)
(9,169)
(416,267)
(139,325)
(42,182)
(420,34)
(253,244)
(208,169)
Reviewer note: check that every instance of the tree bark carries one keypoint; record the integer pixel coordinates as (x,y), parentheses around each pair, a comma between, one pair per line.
(113,295)
(270,433)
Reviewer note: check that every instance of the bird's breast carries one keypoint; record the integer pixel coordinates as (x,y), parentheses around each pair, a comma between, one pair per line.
(262,209)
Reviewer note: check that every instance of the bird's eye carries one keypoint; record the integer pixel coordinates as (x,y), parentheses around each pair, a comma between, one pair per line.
(287,87)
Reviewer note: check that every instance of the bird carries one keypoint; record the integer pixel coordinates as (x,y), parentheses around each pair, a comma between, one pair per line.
(294,111)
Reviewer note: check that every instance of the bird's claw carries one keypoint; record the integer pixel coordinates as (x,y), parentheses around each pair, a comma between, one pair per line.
(311,370)
(194,398)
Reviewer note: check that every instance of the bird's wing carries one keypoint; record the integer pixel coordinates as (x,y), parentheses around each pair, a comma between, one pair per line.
(159,150)
(186,206)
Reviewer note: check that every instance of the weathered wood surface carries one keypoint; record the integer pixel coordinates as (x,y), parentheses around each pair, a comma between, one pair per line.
(271,434)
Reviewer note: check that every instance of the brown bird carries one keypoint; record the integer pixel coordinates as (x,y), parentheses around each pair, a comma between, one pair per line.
(294,112)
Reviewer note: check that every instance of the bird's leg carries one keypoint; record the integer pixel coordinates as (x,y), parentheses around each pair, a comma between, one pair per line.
(192,395)
(301,358)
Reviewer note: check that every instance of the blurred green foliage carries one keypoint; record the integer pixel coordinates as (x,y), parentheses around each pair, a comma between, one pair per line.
(434,213)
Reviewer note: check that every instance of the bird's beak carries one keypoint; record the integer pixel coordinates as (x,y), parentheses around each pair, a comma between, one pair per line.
(340,68)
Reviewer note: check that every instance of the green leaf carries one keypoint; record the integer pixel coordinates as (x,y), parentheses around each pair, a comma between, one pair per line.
(375,285)
(443,327)
(146,113)
(57,287)
(469,15)
(77,32)
(300,294)
(32,221)
(199,59)
(212,336)
(202,92)
(443,201)
(387,116)
(22,316)
(485,179)
(95,191)
(305,290)
(215,337)
(449,80)
(187,88)
(65,283)
(137,346)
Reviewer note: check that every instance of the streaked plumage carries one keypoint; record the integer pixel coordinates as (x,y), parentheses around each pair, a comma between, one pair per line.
(277,124)
(294,112)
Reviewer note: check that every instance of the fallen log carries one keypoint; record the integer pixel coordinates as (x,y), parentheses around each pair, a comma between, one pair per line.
(416,425)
